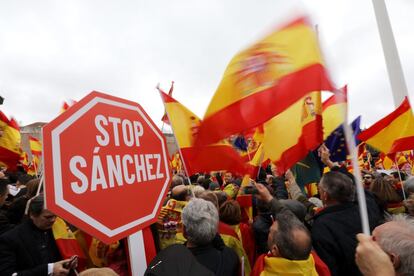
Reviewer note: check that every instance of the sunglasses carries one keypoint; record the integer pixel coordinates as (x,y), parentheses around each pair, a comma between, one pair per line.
(367,177)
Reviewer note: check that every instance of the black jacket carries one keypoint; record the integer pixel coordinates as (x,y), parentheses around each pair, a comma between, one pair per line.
(5,224)
(176,260)
(334,233)
(218,258)
(27,250)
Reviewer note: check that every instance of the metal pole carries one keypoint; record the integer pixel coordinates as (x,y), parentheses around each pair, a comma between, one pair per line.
(392,60)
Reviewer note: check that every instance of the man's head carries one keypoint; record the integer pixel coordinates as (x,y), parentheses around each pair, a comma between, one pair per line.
(367,178)
(180,193)
(230,212)
(297,208)
(228,177)
(41,217)
(288,238)
(209,196)
(176,181)
(396,238)
(336,187)
(200,221)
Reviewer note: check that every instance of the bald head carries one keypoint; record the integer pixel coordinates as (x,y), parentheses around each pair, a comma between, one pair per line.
(289,238)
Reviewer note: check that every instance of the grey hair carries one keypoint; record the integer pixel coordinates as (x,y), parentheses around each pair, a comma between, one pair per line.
(338,186)
(197,190)
(200,219)
(284,238)
(401,243)
(176,181)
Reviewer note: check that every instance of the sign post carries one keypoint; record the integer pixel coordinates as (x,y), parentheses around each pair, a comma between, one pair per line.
(106,167)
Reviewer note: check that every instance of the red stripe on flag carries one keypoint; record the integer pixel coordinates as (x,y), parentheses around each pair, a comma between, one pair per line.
(31,138)
(339,97)
(213,158)
(9,158)
(402,144)
(167,98)
(225,229)
(300,21)
(263,105)
(245,200)
(13,123)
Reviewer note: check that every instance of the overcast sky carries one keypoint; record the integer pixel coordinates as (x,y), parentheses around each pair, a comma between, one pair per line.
(52,51)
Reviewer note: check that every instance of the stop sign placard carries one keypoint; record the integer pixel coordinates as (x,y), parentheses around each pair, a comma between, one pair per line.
(106,167)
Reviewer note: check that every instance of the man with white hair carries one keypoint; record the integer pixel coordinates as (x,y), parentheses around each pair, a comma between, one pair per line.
(396,238)
(200,227)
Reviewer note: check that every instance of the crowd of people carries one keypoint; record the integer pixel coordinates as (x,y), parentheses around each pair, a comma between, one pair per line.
(221,224)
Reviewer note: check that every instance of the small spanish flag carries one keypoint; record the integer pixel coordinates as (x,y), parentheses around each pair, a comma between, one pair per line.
(35,146)
(393,133)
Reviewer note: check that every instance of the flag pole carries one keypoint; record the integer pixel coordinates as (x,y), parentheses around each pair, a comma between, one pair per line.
(392,59)
(352,149)
(399,176)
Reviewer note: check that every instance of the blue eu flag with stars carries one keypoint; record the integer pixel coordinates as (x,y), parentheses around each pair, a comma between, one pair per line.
(336,142)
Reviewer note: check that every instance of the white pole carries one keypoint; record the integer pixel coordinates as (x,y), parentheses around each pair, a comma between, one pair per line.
(137,257)
(353,152)
(392,60)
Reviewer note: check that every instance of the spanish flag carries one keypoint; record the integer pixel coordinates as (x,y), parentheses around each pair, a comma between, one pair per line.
(66,242)
(35,146)
(10,149)
(289,136)
(264,80)
(165,117)
(393,133)
(334,110)
(220,156)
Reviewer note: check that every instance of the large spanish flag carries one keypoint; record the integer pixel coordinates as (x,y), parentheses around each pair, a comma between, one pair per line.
(289,136)
(35,146)
(10,149)
(393,133)
(334,110)
(219,156)
(265,79)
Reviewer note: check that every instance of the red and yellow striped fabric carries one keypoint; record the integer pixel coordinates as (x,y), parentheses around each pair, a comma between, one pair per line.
(219,156)
(35,146)
(393,133)
(264,80)
(10,149)
(67,244)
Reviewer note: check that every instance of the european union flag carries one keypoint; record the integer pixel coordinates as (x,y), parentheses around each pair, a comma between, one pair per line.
(240,143)
(336,141)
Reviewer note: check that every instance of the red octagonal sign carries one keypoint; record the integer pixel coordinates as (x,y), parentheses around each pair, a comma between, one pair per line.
(106,167)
